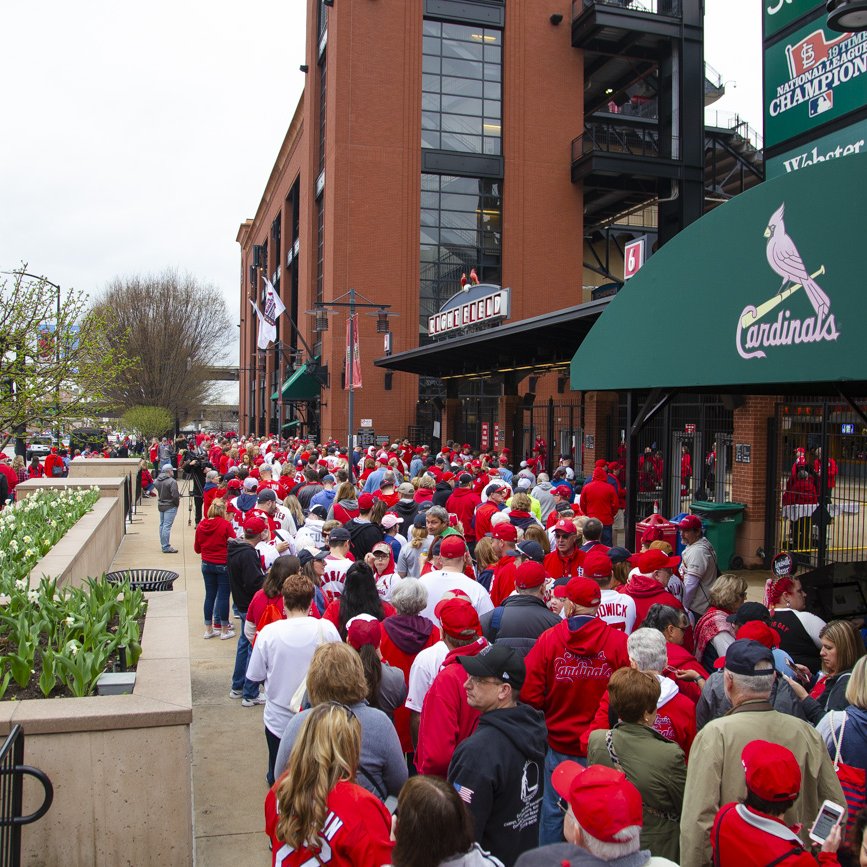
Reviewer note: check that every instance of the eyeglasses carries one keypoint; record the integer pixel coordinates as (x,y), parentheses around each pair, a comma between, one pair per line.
(562,535)
(477,681)
(563,805)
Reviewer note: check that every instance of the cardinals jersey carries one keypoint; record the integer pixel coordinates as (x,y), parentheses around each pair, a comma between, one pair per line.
(356,831)
(617,610)
(334,577)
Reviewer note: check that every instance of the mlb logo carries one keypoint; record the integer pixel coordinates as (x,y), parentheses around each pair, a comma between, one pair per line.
(822,103)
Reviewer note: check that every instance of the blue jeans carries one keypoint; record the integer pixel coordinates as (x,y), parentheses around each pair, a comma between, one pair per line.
(249,688)
(607,535)
(216,593)
(551,820)
(167,518)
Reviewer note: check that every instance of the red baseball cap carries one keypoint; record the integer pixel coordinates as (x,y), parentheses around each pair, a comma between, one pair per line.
(255,525)
(566,526)
(453,547)
(454,593)
(506,532)
(772,771)
(652,534)
(363,629)
(690,522)
(584,592)
(563,491)
(603,800)
(756,630)
(650,561)
(365,502)
(596,564)
(530,574)
(458,618)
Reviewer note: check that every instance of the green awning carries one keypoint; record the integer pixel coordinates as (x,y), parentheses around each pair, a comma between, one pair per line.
(291,424)
(708,310)
(302,386)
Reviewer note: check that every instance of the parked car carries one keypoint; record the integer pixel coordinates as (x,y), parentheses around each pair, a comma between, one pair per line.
(39,446)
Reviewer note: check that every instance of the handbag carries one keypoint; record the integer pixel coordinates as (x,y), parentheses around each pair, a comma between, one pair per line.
(853,780)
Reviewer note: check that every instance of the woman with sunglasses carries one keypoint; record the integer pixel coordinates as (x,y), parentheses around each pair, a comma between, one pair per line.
(316,813)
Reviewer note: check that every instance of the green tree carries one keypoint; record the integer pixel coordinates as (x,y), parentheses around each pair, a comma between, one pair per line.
(148,421)
(177,327)
(57,358)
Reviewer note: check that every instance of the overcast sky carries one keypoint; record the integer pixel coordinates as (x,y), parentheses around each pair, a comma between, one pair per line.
(139,136)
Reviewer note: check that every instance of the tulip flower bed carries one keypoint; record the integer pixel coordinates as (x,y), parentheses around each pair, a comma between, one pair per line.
(57,642)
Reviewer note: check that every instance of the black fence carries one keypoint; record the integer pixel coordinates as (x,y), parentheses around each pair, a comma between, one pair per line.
(818,481)
(559,423)
(12,773)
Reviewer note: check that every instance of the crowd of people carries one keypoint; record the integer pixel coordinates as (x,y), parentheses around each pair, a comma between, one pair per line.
(459,667)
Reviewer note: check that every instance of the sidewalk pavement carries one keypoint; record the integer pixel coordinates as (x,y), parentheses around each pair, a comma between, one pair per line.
(228,741)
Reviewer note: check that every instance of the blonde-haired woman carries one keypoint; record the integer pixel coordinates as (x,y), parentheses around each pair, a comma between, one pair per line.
(316,813)
(413,555)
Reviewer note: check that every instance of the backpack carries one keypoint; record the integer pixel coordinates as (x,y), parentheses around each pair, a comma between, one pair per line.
(852,780)
(271,614)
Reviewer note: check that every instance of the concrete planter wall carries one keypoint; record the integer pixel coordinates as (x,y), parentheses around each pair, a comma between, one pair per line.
(120,765)
(91,543)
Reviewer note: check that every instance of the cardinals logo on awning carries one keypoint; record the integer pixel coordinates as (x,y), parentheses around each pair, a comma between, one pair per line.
(754,336)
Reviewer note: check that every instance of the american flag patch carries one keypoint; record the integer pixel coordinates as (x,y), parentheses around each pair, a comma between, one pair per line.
(464,793)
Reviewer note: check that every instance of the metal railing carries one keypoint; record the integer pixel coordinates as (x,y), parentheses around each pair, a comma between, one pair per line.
(12,773)
(671,8)
(731,120)
(618,138)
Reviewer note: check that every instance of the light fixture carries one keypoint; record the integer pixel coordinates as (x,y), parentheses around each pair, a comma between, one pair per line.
(327,2)
(320,319)
(304,68)
(382,321)
(847,16)
(556,18)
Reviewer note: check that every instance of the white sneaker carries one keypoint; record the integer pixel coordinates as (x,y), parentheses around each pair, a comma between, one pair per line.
(236,693)
(252,702)
(224,636)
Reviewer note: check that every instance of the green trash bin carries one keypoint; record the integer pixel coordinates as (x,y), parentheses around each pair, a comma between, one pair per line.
(720,521)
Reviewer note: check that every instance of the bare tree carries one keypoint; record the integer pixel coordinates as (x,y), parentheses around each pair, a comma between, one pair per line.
(176,327)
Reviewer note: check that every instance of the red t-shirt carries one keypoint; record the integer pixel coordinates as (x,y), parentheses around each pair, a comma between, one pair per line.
(356,832)
(260,602)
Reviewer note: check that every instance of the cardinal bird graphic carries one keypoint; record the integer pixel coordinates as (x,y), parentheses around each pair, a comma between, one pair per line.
(783,257)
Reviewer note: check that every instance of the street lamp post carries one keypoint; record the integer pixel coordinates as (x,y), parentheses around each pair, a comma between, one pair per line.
(321,324)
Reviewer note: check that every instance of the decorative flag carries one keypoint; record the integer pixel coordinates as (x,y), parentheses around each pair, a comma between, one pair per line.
(274,306)
(352,369)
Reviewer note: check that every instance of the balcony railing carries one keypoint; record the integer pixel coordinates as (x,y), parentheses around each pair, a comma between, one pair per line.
(612,138)
(670,8)
(730,120)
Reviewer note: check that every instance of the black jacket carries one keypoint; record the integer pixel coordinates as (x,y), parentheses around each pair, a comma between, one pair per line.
(524,619)
(442,492)
(362,537)
(500,771)
(244,565)
(406,509)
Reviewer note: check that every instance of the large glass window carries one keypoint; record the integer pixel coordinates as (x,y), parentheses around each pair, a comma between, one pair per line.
(460,230)
(462,68)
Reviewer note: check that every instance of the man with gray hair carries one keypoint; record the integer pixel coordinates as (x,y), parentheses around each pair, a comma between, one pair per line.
(544,493)
(716,775)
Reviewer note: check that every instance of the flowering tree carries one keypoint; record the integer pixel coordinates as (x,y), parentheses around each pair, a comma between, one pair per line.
(50,369)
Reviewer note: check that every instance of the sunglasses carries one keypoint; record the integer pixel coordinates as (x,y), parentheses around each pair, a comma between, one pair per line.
(563,805)
(350,714)
(562,535)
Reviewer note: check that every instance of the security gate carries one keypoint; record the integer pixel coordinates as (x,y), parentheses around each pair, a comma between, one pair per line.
(818,481)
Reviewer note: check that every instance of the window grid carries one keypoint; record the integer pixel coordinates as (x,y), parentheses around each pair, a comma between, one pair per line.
(460,230)
(461,88)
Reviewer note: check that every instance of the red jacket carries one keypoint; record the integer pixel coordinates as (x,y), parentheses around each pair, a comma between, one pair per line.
(53,460)
(503,582)
(484,513)
(748,838)
(567,673)
(212,539)
(463,503)
(599,499)
(647,591)
(446,718)
(675,718)
(400,658)
(680,659)
(557,567)
(357,831)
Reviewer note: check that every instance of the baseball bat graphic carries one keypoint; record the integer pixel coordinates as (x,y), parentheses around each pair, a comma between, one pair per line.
(749,319)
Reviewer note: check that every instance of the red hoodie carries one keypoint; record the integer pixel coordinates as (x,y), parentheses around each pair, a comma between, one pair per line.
(446,718)
(599,499)
(463,503)
(212,539)
(503,582)
(675,718)
(567,673)
(482,523)
(647,591)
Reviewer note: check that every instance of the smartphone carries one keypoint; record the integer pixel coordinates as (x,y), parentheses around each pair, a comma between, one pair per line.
(830,814)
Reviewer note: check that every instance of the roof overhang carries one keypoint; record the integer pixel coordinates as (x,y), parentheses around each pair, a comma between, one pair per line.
(708,311)
(539,343)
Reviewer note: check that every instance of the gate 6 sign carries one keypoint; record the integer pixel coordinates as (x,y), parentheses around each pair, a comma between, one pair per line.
(633,256)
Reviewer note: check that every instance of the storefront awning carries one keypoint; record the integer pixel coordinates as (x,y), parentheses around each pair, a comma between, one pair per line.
(762,293)
(301,386)
(290,425)
(537,343)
